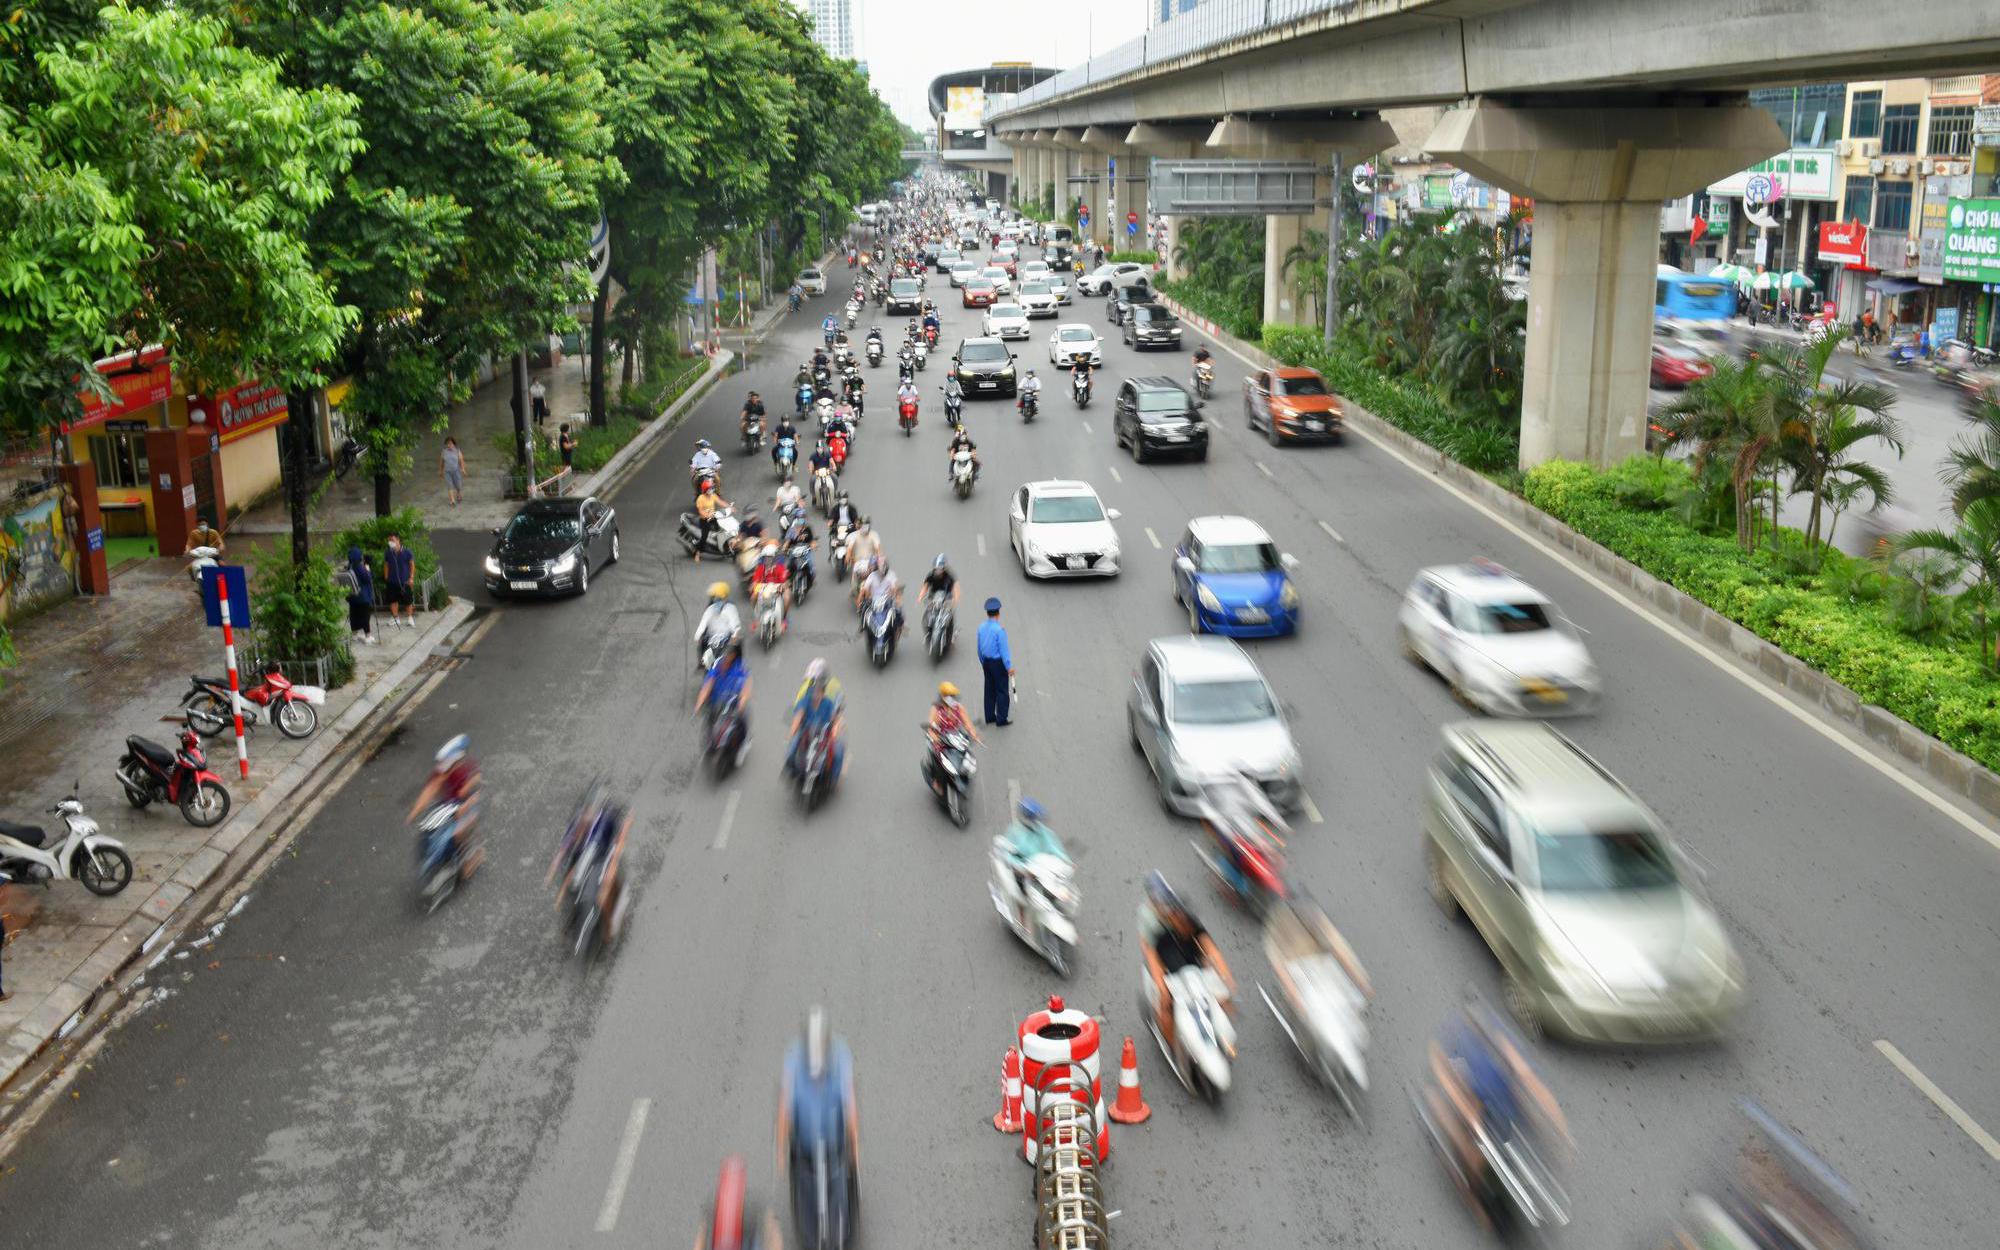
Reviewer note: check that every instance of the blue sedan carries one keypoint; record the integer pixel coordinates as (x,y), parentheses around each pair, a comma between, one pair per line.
(1233,581)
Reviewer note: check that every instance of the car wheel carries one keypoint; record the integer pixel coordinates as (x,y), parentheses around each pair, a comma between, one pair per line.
(1194,617)
(1271,432)
(1138,450)
(1436,885)
(1132,732)
(1521,1006)
(614,547)
(583,576)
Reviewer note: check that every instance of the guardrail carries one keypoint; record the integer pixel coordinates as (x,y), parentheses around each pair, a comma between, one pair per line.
(1069,1194)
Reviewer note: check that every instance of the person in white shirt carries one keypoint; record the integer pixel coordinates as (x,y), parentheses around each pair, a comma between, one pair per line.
(538,397)
(719,621)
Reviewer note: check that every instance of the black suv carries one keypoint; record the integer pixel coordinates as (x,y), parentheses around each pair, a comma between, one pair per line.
(1151,325)
(984,367)
(906,295)
(1125,298)
(1155,416)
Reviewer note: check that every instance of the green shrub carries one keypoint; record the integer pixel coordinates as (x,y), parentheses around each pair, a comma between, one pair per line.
(1241,320)
(298,611)
(371,534)
(1649,483)
(1139,257)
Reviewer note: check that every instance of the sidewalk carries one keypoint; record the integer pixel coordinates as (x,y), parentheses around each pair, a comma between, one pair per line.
(92,671)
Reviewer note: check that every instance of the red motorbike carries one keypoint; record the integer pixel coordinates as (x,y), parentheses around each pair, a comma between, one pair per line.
(836,447)
(293,709)
(906,413)
(150,772)
(1245,849)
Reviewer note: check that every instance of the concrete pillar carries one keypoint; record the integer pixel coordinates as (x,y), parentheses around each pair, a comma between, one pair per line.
(1598,176)
(1281,235)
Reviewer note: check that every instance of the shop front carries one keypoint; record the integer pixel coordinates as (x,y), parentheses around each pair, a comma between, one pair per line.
(1971,261)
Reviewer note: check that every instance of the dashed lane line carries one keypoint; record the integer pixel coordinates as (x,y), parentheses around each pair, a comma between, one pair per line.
(621,1170)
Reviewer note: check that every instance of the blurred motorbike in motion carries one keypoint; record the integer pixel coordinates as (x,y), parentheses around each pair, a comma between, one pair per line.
(1323,995)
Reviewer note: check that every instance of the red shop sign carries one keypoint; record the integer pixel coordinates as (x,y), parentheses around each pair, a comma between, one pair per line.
(246,409)
(138,380)
(1843,241)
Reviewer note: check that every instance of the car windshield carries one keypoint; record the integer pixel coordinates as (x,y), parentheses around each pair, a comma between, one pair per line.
(1595,860)
(1162,401)
(1239,558)
(982,354)
(993,271)
(1006,310)
(1066,509)
(1510,618)
(905,286)
(810,273)
(1301,386)
(1075,334)
(976,285)
(542,527)
(1232,702)
(1150,312)
(1036,288)
(963,269)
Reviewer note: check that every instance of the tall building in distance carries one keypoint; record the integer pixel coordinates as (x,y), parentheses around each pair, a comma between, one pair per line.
(833,25)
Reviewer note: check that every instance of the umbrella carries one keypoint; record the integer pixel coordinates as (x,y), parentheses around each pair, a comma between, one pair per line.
(1794,280)
(1736,274)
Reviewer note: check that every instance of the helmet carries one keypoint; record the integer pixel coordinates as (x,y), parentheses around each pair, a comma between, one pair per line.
(816,671)
(843,496)
(1031,811)
(865,522)
(718,591)
(701,444)
(1162,896)
(770,546)
(939,562)
(947,690)
(818,1039)
(452,751)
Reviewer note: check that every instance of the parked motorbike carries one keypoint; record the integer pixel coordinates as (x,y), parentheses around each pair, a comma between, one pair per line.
(93,860)
(1038,900)
(1204,1048)
(1204,379)
(906,416)
(948,769)
(825,1193)
(881,626)
(1079,388)
(770,614)
(717,544)
(293,709)
(753,436)
(149,772)
(728,738)
(785,460)
(939,627)
(439,856)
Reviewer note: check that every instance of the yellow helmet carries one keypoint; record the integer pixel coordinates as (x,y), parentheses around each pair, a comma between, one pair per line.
(719,591)
(947,690)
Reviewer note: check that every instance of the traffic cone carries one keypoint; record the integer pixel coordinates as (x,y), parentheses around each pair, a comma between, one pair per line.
(1131,1107)
(1008,1118)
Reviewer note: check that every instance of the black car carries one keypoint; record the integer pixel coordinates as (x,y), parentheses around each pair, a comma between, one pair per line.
(1154,416)
(550,547)
(946,257)
(1151,325)
(984,367)
(1125,298)
(906,295)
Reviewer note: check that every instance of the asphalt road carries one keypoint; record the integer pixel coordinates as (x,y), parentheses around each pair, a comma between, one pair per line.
(337,1071)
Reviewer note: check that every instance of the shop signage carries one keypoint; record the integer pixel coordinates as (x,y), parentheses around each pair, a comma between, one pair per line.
(1945,327)
(1843,242)
(1888,251)
(248,408)
(1437,191)
(1800,174)
(1972,241)
(138,380)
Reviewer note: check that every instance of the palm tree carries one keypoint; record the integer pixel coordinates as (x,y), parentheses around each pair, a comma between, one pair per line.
(1974,545)
(1972,467)
(1730,415)
(1822,422)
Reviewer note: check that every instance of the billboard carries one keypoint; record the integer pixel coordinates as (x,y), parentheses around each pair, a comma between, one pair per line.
(1972,241)
(1800,174)
(965,108)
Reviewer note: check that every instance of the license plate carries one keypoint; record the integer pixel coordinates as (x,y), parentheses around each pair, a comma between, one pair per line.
(1252,616)
(521,585)
(989,386)
(1175,438)
(1314,426)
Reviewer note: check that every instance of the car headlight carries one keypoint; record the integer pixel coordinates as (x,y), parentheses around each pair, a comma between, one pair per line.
(1008,372)
(493,566)
(563,565)
(1288,598)
(1208,599)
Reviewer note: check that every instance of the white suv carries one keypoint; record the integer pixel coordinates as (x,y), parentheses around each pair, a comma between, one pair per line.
(1503,646)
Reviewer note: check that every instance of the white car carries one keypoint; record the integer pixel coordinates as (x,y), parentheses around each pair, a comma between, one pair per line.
(1060,286)
(1037,300)
(1002,284)
(812,282)
(1503,646)
(961,270)
(1100,280)
(1072,339)
(1006,321)
(1034,270)
(1061,529)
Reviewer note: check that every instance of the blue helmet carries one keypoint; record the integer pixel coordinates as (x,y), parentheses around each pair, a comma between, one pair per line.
(1162,895)
(1031,811)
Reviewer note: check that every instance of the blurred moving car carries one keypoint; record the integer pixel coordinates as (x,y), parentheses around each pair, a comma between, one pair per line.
(1074,338)
(1592,911)
(1504,647)
(978,291)
(1127,297)
(984,367)
(1002,281)
(1060,528)
(1037,298)
(550,546)
(1150,325)
(906,295)
(1291,405)
(1233,580)
(1675,365)
(1201,711)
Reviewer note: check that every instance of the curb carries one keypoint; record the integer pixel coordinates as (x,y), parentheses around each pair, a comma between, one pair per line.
(1941,768)
(659,426)
(215,864)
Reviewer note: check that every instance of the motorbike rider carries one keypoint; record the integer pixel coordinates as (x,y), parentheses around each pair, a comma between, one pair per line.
(817,709)
(789,497)
(1080,379)
(882,586)
(455,778)
(865,545)
(772,569)
(828,326)
(845,514)
(782,431)
(728,678)
(1202,356)
(1237,816)
(821,458)
(1031,391)
(1298,925)
(939,584)
(804,377)
(816,1096)
(600,826)
(855,390)
(906,393)
(720,622)
(1028,836)
(752,407)
(1172,939)
(1483,1081)
(954,398)
(946,716)
(875,337)
(707,506)
(705,460)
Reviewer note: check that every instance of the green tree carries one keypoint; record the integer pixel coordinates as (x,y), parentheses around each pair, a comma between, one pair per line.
(1974,546)
(1730,416)
(1972,466)
(1823,422)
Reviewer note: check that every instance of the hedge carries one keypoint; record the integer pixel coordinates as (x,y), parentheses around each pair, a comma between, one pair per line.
(1242,321)
(1942,689)
(1133,258)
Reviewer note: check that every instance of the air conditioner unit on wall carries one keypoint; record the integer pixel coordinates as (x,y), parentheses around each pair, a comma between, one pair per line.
(1900,168)
(1875,166)
(1847,149)
(1910,249)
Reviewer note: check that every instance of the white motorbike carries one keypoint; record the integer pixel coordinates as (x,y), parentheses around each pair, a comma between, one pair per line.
(200,558)
(1326,1020)
(1204,379)
(962,473)
(825,486)
(99,863)
(1204,1048)
(770,614)
(1038,900)
(920,352)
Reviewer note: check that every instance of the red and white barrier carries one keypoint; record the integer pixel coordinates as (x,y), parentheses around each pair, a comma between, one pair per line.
(1059,1057)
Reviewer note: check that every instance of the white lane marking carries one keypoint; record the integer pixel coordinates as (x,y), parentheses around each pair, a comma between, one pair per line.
(980,541)
(1115,475)
(621,1170)
(1152,538)
(1085,425)
(1312,808)
(728,819)
(1013,793)
(1331,532)
(1263,468)
(1942,1100)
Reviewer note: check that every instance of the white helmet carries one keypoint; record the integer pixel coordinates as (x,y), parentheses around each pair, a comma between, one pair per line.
(452,751)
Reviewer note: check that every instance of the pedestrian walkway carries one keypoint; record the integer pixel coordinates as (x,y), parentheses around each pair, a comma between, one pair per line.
(93,670)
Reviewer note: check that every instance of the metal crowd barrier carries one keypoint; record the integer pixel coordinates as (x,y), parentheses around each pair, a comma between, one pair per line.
(1069,1194)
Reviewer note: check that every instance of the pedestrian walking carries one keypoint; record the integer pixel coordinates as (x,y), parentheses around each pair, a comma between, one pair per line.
(538,395)
(451,467)
(996,660)
(361,597)
(566,445)
(399,583)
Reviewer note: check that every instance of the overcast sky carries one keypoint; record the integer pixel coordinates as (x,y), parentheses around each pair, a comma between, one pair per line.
(909,42)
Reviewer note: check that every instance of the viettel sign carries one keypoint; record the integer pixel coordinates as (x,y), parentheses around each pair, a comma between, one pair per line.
(1843,242)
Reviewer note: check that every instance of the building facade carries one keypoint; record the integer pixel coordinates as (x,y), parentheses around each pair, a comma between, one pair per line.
(833,25)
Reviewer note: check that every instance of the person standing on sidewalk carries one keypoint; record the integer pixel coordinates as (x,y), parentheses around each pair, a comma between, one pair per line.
(361,599)
(538,396)
(566,446)
(451,467)
(996,660)
(399,578)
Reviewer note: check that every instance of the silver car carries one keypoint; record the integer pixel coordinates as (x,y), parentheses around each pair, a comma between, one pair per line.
(1595,916)
(1200,711)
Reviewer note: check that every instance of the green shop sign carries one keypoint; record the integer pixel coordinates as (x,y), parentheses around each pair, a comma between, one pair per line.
(1972,241)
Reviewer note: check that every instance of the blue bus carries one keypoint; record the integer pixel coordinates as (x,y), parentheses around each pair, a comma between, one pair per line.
(1692,297)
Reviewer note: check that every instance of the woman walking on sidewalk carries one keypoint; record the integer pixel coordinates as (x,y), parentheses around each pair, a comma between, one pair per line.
(361,599)
(451,466)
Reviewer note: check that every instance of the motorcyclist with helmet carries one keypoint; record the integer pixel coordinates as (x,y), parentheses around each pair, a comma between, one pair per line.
(753,408)
(1171,939)
(1483,1084)
(455,778)
(705,461)
(816,1103)
(816,708)
(1028,836)
(598,830)
(772,569)
(720,622)
(961,440)
(728,679)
